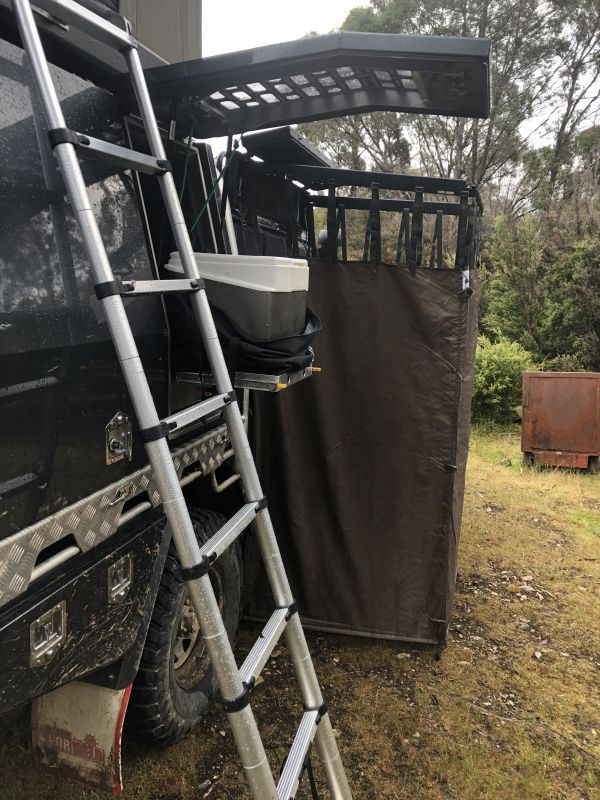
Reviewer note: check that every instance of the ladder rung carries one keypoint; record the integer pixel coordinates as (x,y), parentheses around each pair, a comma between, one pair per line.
(87,21)
(120,156)
(132,288)
(230,531)
(264,646)
(171,286)
(192,414)
(292,771)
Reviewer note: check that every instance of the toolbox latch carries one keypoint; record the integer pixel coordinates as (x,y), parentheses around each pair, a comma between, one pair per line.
(119,439)
(47,634)
(120,576)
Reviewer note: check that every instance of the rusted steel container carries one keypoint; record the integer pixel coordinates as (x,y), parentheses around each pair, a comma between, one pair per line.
(561,419)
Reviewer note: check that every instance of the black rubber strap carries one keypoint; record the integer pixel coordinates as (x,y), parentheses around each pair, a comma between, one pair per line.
(439,234)
(461,239)
(469,244)
(154,433)
(109,288)
(322,709)
(261,504)
(164,164)
(331,247)
(238,703)
(416,233)
(291,610)
(436,257)
(372,246)
(198,570)
(403,245)
(341,226)
(310,229)
(62,136)
(375,226)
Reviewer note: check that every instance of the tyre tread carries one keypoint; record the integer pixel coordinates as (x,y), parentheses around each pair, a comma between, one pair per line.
(151,713)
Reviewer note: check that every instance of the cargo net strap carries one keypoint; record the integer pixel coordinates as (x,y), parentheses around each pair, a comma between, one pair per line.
(425,233)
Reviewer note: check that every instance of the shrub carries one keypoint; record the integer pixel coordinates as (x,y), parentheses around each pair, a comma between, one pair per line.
(499,368)
(566,362)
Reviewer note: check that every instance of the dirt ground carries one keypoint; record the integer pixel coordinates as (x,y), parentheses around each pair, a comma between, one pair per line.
(511,711)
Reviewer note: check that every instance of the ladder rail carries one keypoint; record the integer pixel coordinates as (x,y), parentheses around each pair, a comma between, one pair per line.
(265,533)
(243,724)
(203,599)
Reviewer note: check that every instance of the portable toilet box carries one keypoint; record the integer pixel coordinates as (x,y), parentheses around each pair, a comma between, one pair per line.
(264,297)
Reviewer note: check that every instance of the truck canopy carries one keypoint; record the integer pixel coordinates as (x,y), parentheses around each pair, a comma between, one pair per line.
(325,76)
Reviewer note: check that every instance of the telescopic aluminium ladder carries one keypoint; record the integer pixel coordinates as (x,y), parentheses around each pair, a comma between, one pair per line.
(235,684)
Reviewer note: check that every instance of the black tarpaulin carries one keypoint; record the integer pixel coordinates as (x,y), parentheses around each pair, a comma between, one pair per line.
(364,464)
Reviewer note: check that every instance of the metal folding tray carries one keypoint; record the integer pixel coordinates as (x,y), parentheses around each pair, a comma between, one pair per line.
(251,380)
(325,76)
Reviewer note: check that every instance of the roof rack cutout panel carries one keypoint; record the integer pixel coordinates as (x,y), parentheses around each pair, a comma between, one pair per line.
(326,76)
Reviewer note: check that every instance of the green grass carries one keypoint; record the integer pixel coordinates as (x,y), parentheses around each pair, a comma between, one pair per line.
(491,720)
(588,519)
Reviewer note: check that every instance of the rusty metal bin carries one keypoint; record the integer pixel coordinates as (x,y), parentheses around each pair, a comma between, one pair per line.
(561,419)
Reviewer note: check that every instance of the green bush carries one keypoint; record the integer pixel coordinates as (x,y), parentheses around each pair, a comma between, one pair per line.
(566,362)
(499,368)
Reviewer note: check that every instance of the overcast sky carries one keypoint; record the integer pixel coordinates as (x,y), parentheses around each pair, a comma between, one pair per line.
(230,25)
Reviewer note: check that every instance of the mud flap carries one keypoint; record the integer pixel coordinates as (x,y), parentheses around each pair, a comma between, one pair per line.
(77,730)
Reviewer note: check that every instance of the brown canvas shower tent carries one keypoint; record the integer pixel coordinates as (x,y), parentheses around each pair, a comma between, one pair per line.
(365,465)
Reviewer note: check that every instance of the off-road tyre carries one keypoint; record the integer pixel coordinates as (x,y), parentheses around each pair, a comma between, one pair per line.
(166,702)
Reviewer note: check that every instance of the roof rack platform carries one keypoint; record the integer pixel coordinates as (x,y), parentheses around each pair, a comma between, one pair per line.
(326,76)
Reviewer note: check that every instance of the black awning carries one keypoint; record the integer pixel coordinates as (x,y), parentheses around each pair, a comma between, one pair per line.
(326,76)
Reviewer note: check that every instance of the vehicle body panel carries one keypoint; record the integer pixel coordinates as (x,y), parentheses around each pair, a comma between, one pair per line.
(61,382)
(98,633)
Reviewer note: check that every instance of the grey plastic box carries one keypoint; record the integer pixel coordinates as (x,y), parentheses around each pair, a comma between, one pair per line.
(264,297)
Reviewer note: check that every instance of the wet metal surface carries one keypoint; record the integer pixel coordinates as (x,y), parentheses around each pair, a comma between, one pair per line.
(60,381)
(561,417)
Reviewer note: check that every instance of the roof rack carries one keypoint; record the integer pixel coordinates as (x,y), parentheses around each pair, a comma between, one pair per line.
(318,178)
(326,76)
(284,146)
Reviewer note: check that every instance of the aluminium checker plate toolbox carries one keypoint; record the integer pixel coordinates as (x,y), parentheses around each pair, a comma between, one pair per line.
(95,518)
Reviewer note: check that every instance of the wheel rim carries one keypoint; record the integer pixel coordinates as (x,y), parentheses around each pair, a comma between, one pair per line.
(187,634)
(190,656)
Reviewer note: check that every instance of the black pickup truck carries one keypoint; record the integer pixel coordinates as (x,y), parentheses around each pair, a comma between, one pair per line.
(89,586)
